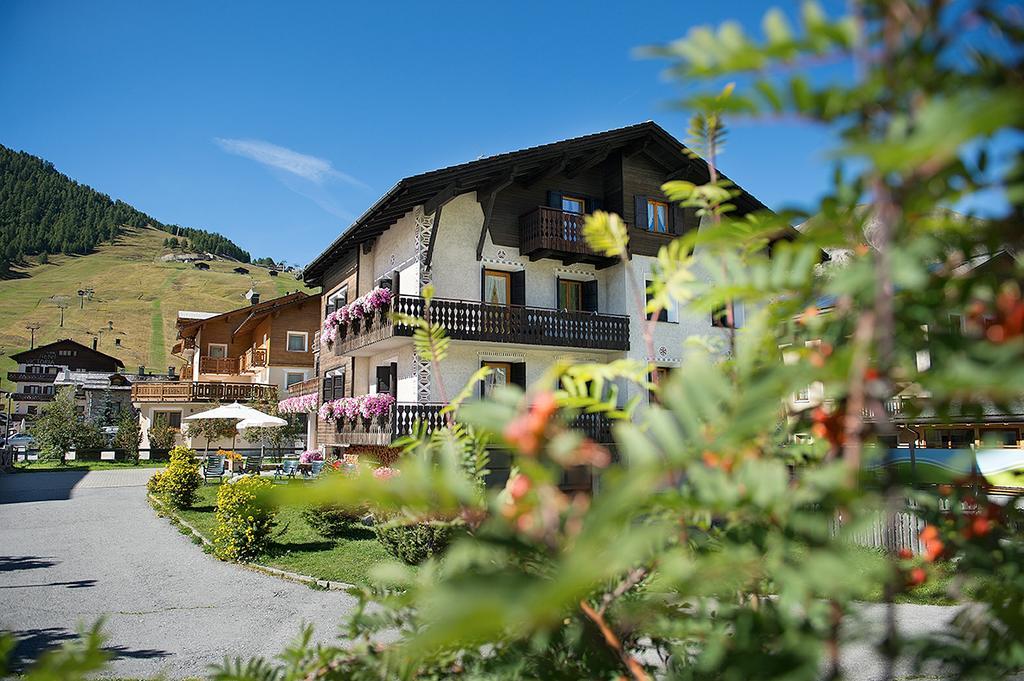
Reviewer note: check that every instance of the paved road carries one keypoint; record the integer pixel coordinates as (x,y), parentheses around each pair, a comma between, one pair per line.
(76,546)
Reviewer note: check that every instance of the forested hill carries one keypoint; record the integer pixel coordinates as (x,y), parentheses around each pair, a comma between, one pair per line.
(43,212)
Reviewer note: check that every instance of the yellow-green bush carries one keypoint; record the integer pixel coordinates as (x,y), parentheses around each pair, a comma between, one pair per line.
(154,482)
(178,484)
(244,518)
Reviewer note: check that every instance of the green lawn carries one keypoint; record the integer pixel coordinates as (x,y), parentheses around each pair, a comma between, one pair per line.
(932,592)
(46,466)
(297,548)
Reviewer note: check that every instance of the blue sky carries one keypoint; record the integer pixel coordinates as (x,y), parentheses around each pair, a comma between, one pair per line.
(278,123)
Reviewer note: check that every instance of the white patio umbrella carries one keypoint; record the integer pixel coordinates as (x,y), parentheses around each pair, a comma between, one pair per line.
(248,415)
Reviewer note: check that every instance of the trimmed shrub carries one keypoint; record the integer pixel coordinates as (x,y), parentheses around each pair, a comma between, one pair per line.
(161,436)
(178,484)
(154,482)
(244,519)
(414,541)
(332,520)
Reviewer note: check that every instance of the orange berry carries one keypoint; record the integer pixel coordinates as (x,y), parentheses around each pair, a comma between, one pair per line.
(519,486)
(980,526)
(929,533)
(906,554)
(544,405)
(917,577)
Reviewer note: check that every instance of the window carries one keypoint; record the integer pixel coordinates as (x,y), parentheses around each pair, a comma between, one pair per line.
(297,341)
(497,287)
(724,317)
(171,419)
(334,384)
(570,295)
(573,204)
(803,395)
(657,216)
(31,409)
(662,374)
(293,377)
(662,315)
(217,349)
(1000,437)
(501,375)
(337,299)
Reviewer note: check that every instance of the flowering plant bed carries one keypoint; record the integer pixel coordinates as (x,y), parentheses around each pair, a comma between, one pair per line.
(310,456)
(352,409)
(299,405)
(377,299)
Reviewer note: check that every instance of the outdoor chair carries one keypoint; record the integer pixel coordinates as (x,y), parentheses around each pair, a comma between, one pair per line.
(288,469)
(315,469)
(214,468)
(253,464)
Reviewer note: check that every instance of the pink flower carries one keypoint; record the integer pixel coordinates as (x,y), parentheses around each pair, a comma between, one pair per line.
(386,473)
(310,456)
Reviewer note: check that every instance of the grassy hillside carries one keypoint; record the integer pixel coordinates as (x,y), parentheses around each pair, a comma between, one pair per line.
(132,288)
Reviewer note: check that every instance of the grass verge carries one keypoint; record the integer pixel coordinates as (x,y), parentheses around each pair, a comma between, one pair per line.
(52,466)
(295,547)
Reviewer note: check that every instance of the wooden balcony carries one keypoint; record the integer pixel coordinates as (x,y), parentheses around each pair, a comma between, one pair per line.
(553,233)
(32,397)
(309,386)
(252,360)
(187,391)
(31,377)
(218,365)
(476,321)
(386,429)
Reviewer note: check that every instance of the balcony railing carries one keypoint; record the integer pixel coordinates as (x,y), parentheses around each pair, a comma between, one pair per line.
(187,391)
(473,320)
(31,377)
(252,360)
(218,365)
(553,233)
(383,430)
(32,397)
(310,385)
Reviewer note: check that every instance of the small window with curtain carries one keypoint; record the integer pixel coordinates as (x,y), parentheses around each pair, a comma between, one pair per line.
(297,341)
(573,204)
(497,287)
(657,216)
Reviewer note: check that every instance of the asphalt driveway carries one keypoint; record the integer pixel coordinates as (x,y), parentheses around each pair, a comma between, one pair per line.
(77,546)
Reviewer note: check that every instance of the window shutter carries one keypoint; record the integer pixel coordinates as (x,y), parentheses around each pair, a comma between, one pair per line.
(394,380)
(554,199)
(339,384)
(518,287)
(640,216)
(676,219)
(328,388)
(483,290)
(517,375)
(590,296)
(559,302)
(395,282)
(594,203)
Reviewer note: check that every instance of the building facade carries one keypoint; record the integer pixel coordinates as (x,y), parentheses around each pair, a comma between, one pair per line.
(253,353)
(515,284)
(42,370)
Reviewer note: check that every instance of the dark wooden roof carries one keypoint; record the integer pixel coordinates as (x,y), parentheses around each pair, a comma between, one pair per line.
(187,328)
(436,186)
(44,353)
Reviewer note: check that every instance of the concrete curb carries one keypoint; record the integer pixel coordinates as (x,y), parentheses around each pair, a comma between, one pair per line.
(327,584)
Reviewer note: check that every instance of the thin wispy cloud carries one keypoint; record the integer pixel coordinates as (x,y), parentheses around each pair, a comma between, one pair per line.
(316,170)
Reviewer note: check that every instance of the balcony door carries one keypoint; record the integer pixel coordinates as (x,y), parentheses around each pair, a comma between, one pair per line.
(576,296)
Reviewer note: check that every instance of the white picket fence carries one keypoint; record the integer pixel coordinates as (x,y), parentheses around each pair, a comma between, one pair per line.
(900,531)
